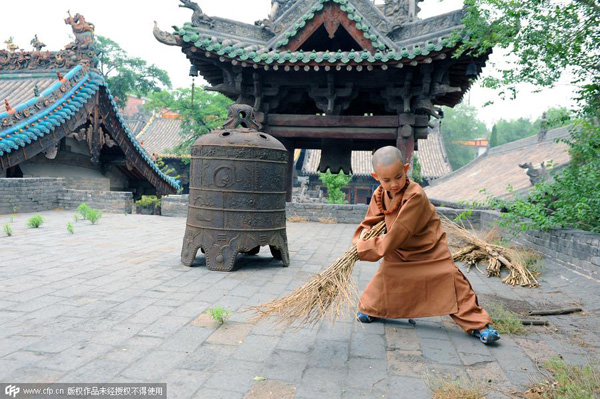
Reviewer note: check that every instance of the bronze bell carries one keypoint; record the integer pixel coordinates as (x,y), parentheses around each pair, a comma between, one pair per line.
(336,155)
(237,197)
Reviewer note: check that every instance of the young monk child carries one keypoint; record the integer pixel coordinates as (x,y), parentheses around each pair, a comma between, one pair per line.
(417,277)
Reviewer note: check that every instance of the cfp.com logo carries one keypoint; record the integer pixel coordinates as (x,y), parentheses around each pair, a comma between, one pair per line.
(12,390)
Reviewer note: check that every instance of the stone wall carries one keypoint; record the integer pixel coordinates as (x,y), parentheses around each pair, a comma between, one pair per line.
(29,194)
(351,214)
(174,205)
(46,193)
(576,250)
(106,201)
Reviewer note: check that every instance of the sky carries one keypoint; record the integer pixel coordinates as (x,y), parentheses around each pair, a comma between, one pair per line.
(130,23)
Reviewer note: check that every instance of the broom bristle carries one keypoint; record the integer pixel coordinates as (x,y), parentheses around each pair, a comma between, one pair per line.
(476,249)
(331,293)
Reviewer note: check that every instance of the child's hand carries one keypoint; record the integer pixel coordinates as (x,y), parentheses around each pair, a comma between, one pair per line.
(363,233)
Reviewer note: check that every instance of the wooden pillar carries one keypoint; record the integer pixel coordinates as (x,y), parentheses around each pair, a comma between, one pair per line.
(405,139)
(289,145)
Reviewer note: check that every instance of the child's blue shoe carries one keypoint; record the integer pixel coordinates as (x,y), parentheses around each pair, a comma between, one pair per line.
(364,318)
(487,336)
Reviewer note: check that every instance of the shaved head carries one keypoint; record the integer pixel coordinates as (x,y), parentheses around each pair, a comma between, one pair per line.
(386,156)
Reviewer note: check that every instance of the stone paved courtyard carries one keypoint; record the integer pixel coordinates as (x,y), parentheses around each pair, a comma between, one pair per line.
(113,303)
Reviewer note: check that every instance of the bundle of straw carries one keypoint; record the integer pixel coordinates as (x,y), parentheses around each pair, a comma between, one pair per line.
(329,293)
(475,250)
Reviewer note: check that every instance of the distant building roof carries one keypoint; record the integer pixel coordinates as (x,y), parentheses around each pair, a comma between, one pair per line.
(161,135)
(432,157)
(499,167)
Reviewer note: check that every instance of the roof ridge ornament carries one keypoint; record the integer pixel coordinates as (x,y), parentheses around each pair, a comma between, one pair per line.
(198,17)
(163,37)
(36,43)
(401,12)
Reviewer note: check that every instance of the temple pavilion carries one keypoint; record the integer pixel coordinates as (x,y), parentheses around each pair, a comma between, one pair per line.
(334,75)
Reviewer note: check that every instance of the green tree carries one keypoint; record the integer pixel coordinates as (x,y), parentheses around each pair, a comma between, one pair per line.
(417,174)
(494,137)
(544,38)
(334,184)
(208,112)
(556,117)
(514,129)
(461,123)
(126,75)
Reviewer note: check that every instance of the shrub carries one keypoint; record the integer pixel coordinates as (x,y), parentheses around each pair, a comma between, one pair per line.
(35,221)
(148,200)
(218,313)
(94,215)
(70,228)
(8,230)
(83,209)
(334,183)
(76,217)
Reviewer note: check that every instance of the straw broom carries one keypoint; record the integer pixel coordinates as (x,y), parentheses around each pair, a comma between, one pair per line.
(476,250)
(329,293)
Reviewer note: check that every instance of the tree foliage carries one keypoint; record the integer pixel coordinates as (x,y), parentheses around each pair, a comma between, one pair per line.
(544,37)
(208,112)
(514,129)
(461,123)
(126,75)
(417,174)
(557,117)
(334,184)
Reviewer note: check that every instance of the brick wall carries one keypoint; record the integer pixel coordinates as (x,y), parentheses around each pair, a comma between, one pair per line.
(106,201)
(29,194)
(351,214)
(47,193)
(576,250)
(174,205)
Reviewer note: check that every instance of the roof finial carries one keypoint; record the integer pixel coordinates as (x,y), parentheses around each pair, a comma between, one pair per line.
(7,105)
(36,90)
(59,75)
(37,44)
(10,45)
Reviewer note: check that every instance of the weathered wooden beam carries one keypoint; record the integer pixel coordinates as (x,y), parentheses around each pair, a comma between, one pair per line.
(336,121)
(333,133)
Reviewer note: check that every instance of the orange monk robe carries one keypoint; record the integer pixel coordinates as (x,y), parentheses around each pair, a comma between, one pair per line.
(417,277)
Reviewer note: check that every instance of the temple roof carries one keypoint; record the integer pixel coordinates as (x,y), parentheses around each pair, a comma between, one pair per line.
(499,167)
(160,136)
(432,157)
(32,117)
(387,42)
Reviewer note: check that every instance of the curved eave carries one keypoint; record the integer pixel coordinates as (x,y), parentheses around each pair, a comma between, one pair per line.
(193,43)
(31,129)
(132,148)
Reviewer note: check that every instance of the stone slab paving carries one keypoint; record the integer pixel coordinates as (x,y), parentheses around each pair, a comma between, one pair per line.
(113,303)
